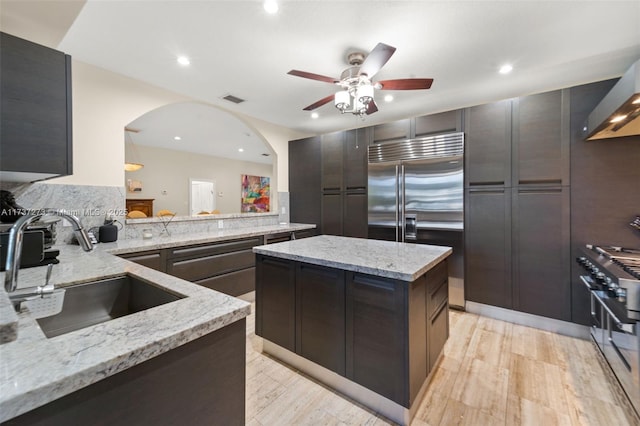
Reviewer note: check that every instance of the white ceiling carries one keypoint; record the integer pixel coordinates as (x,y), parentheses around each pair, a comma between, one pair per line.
(237,48)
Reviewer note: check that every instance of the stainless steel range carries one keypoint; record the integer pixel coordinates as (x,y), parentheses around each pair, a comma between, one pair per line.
(612,276)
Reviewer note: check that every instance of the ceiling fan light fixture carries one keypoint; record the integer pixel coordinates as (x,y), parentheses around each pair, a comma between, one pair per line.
(342,100)
(364,93)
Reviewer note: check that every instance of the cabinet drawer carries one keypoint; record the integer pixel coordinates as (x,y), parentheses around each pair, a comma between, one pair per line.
(233,283)
(151,259)
(209,266)
(212,249)
(438,333)
(437,288)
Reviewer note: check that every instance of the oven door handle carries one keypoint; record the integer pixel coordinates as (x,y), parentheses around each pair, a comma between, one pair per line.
(613,344)
(627,328)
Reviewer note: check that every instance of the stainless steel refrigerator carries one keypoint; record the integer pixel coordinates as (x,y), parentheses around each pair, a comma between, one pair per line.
(416,195)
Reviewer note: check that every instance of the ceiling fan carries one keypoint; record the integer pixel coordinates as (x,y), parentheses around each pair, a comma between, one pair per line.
(356,95)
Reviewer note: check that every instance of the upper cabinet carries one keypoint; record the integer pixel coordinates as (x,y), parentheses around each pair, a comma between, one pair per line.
(35,111)
(520,141)
(344,160)
(488,144)
(389,131)
(304,180)
(541,139)
(444,122)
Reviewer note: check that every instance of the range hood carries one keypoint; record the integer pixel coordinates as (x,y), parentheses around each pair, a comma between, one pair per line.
(618,113)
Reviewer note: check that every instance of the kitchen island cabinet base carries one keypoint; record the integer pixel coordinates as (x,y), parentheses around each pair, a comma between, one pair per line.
(372,400)
(373,335)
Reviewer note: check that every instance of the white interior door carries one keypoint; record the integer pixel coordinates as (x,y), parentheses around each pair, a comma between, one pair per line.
(202,195)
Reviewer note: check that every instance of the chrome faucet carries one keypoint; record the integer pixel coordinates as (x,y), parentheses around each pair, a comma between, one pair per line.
(14,246)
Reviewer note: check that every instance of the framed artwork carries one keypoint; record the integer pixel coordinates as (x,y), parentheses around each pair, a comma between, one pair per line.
(255,194)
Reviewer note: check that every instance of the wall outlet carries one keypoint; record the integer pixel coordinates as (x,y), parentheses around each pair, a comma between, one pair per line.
(220,224)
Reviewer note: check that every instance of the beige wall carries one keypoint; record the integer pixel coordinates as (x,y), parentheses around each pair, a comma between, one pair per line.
(105,102)
(166,173)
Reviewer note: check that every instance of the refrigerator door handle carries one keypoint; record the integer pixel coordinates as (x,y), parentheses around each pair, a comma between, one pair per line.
(397,200)
(410,227)
(401,205)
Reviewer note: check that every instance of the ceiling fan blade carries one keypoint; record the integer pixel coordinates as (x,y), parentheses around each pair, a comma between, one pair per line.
(406,84)
(371,107)
(376,59)
(319,103)
(313,76)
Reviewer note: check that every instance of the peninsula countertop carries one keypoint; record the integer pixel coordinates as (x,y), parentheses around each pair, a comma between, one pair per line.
(402,261)
(35,370)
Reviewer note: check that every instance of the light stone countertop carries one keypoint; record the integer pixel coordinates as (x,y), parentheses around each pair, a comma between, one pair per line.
(401,261)
(35,370)
(168,241)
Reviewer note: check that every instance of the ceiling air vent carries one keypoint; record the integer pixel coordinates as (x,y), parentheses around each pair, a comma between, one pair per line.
(234,99)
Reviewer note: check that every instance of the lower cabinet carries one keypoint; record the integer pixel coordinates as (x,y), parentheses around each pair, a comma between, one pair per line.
(320,304)
(376,340)
(383,334)
(541,252)
(199,383)
(156,259)
(227,266)
(276,291)
(488,246)
(517,248)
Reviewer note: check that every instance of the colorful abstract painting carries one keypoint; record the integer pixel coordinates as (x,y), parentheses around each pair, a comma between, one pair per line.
(255,194)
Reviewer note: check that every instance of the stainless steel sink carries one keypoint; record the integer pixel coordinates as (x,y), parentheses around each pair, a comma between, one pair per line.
(95,302)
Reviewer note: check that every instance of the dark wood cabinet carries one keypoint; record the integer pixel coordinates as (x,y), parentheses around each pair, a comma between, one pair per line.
(320,304)
(155,259)
(344,183)
(304,181)
(354,221)
(332,213)
(332,161)
(226,266)
(541,138)
(355,159)
(160,391)
(433,124)
(375,322)
(35,111)
(389,131)
(488,246)
(381,333)
(276,301)
(488,144)
(517,204)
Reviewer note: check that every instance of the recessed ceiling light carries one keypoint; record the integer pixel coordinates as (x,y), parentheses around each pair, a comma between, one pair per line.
(177,138)
(183,60)
(240,149)
(388,98)
(505,69)
(271,6)
(617,118)
(315,115)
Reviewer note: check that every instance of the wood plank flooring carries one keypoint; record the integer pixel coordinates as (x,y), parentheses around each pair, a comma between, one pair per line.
(492,373)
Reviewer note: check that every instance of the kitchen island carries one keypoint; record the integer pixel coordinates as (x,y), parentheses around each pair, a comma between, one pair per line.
(368,318)
(182,361)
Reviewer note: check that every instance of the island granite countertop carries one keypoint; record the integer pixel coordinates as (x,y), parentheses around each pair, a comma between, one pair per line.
(401,261)
(35,370)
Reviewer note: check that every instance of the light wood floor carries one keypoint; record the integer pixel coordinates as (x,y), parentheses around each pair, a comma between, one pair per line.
(492,373)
